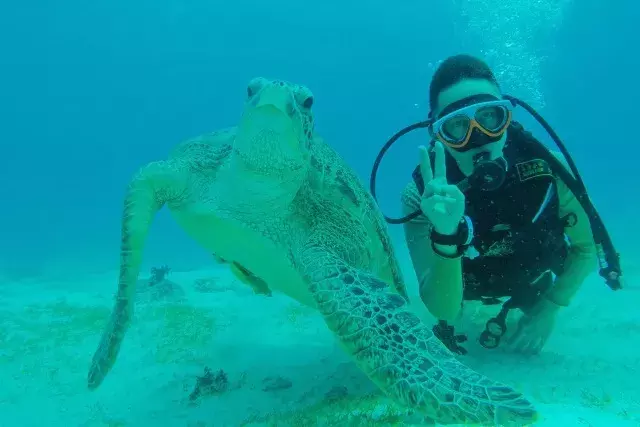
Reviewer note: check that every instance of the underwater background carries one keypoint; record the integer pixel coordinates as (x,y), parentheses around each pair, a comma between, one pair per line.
(91,91)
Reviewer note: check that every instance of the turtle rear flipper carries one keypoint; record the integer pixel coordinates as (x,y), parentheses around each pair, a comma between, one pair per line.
(258,285)
(400,353)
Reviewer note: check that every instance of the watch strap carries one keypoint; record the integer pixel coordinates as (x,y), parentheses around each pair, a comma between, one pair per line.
(462,237)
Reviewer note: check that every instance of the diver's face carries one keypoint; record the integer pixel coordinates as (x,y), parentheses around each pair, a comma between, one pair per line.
(465,89)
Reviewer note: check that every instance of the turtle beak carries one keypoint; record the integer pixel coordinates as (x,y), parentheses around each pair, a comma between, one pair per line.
(277,98)
(269,128)
(273,110)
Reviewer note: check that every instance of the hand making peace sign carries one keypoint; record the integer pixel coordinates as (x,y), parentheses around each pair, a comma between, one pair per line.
(443,204)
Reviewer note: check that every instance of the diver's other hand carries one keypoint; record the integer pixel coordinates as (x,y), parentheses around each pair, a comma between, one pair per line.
(441,203)
(534,328)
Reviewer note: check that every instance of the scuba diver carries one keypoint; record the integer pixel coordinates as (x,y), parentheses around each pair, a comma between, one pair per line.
(491,213)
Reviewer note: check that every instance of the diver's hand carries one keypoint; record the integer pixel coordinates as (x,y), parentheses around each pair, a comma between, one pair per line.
(441,203)
(534,328)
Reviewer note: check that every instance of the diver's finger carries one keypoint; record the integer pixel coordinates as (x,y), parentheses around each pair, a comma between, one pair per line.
(520,344)
(523,345)
(454,192)
(445,199)
(433,187)
(531,346)
(516,336)
(425,165)
(440,208)
(440,166)
(440,204)
(444,203)
(537,347)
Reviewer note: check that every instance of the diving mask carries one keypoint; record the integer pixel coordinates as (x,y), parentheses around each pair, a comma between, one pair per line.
(473,122)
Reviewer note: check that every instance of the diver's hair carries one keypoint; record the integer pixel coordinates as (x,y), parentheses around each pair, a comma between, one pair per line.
(455,69)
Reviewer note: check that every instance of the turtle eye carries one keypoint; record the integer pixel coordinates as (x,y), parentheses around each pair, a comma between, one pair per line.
(308,102)
(254,86)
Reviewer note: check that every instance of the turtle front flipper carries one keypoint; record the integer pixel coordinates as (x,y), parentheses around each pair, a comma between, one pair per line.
(400,354)
(150,189)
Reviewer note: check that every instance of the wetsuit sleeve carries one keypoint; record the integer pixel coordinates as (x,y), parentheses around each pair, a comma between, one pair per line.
(581,260)
(439,278)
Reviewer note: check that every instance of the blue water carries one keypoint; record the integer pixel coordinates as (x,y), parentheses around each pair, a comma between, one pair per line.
(91,91)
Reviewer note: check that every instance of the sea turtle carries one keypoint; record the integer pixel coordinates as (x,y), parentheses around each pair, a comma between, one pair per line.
(273,197)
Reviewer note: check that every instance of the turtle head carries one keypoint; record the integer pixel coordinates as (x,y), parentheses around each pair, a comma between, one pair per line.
(274,134)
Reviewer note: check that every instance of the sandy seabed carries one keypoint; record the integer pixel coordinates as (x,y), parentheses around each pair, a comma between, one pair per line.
(283,366)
